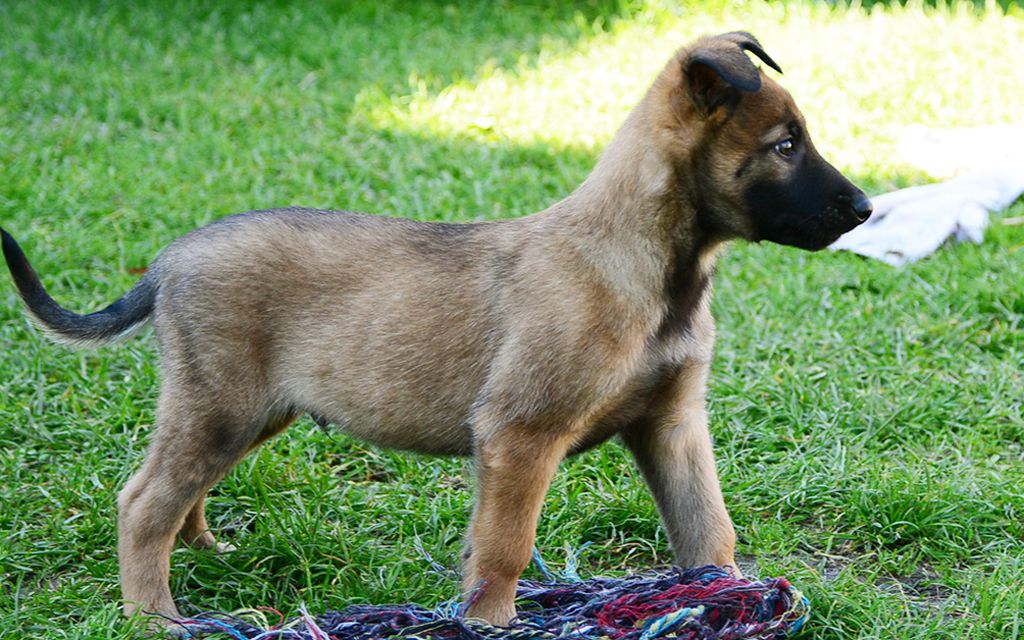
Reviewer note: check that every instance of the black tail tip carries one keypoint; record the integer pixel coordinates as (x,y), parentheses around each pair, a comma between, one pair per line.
(10,245)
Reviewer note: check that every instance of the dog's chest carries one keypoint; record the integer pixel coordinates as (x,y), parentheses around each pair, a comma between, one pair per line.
(673,367)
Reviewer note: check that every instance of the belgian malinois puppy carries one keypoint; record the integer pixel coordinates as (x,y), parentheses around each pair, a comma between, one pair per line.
(517,342)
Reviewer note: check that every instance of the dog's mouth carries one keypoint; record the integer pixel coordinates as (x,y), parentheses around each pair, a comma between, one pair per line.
(838,219)
(818,233)
(846,215)
(815,242)
(810,225)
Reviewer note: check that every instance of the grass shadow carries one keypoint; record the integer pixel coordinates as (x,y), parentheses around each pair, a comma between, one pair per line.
(343,45)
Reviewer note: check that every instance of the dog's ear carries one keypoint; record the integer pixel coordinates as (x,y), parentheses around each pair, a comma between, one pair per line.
(717,70)
(747,42)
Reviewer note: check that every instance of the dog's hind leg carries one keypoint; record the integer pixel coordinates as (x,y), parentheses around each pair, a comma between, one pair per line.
(194,446)
(195,532)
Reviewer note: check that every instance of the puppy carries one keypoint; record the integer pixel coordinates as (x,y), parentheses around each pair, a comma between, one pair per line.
(516,342)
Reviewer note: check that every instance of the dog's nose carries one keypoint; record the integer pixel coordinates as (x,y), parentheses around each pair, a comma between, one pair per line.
(861,207)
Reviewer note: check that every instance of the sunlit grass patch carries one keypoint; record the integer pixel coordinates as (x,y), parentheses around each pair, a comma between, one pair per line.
(861,77)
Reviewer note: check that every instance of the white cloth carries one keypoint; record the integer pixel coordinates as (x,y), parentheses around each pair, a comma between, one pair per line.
(912,223)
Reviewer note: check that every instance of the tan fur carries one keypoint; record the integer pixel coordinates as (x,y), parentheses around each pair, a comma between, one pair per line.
(518,342)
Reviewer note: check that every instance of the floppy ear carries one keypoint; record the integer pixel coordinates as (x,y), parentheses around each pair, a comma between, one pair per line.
(749,43)
(717,70)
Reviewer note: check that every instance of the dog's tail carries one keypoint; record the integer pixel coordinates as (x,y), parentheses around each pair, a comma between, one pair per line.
(124,318)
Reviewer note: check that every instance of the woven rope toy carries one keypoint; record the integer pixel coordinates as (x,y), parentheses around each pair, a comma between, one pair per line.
(705,603)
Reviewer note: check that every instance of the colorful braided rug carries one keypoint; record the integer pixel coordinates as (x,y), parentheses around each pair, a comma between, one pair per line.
(704,603)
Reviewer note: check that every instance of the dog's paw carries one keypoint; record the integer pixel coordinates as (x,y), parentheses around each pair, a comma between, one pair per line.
(497,616)
(205,540)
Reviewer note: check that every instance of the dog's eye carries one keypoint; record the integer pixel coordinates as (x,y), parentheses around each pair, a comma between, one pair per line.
(786,148)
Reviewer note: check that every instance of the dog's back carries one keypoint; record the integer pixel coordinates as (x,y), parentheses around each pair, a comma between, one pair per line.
(384,326)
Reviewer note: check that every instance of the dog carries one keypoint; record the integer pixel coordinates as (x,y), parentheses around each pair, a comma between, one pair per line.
(517,342)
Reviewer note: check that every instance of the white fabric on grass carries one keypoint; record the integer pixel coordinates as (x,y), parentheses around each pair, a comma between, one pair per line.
(909,224)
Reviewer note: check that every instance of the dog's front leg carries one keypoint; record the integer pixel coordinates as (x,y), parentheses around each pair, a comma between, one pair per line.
(672,447)
(514,468)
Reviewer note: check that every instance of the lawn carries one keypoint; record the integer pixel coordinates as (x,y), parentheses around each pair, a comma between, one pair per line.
(869,421)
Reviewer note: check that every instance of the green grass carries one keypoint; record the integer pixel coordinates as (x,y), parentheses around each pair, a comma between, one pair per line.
(868,420)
